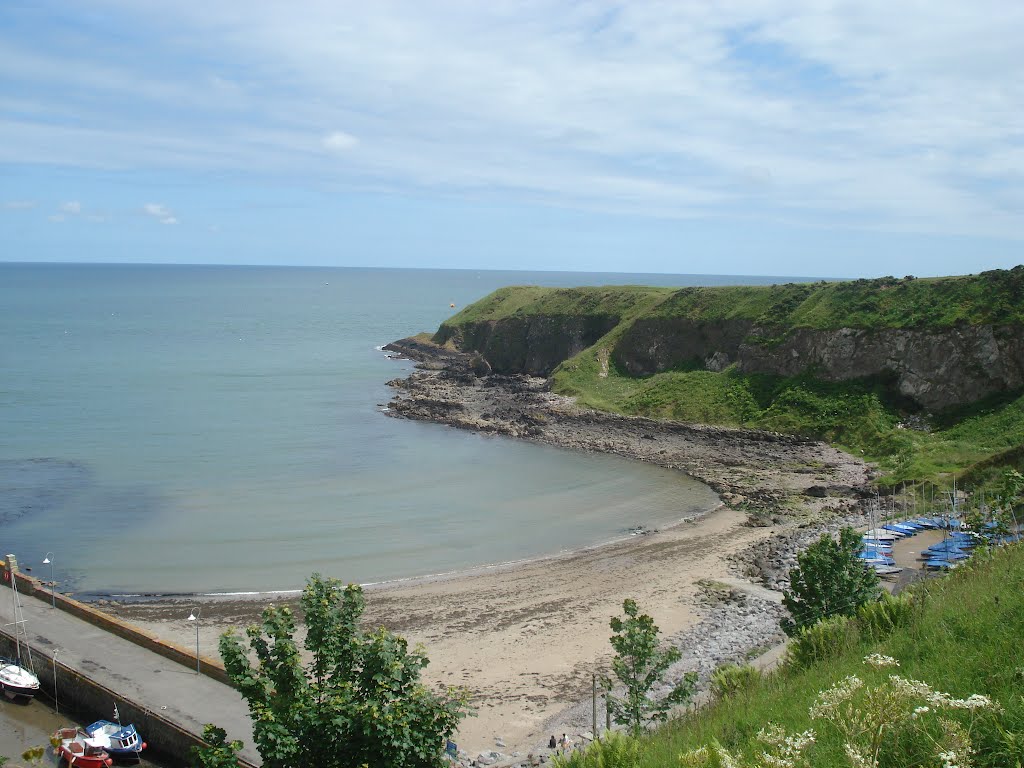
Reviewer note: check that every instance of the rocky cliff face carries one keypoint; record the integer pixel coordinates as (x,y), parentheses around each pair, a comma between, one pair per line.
(935,368)
(533,344)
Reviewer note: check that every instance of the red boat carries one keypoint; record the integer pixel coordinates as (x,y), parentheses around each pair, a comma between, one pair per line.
(80,750)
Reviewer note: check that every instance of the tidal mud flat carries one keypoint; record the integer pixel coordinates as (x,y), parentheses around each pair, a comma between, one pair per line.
(526,637)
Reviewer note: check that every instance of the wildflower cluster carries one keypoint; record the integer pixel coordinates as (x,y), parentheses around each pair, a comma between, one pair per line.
(878,661)
(782,750)
(866,715)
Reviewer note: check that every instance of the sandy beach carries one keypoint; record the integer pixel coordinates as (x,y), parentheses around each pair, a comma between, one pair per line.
(523,638)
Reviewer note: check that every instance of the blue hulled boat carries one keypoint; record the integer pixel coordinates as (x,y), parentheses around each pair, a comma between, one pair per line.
(120,741)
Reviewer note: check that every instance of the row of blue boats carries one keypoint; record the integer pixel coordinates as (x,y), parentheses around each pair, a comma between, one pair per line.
(955,547)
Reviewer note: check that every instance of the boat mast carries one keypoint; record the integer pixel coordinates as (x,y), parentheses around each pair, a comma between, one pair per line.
(19,617)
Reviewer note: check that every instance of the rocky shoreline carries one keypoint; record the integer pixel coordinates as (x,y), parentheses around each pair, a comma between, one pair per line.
(775,478)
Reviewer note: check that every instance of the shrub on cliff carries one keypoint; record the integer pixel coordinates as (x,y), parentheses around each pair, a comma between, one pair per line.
(828,580)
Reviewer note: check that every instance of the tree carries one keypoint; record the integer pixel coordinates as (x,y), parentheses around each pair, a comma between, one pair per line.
(829,579)
(358,702)
(218,752)
(640,664)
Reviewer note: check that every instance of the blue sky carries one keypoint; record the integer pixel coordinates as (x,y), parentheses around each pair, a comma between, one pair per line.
(789,138)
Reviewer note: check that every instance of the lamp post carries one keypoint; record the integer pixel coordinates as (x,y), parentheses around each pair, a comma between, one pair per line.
(48,560)
(194,616)
(56,704)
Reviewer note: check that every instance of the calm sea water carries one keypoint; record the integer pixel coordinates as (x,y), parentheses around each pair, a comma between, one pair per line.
(184,428)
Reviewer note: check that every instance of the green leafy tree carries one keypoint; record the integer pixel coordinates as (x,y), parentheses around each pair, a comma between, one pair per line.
(640,663)
(218,752)
(358,702)
(828,580)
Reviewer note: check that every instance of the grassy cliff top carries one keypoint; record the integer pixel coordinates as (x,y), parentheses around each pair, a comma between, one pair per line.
(995,297)
(524,300)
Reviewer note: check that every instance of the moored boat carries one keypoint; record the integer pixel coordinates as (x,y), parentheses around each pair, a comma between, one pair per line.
(79,749)
(16,681)
(120,741)
(17,675)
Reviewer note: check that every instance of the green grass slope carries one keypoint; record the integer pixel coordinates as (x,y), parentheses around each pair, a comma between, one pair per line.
(995,297)
(962,638)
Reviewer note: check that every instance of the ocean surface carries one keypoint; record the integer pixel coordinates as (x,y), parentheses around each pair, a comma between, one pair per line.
(179,429)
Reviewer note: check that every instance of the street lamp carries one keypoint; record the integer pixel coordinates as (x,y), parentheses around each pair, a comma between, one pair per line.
(48,560)
(56,704)
(194,616)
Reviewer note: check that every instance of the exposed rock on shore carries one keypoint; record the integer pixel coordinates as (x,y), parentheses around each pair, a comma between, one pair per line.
(770,475)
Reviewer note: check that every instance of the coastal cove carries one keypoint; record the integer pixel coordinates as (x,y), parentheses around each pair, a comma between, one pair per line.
(225,423)
(524,639)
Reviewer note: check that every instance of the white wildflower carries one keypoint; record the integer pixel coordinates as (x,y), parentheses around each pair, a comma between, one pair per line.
(974,701)
(858,759)
(912,688)
(725,759)
(786,749)
(878,661)
(918,711)
(841,692)
(948,760)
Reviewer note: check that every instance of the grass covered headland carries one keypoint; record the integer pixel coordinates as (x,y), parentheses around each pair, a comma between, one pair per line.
(933,678)
(924,376)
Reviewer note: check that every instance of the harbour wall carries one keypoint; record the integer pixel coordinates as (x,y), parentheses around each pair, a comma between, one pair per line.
(30,586)
(78,693)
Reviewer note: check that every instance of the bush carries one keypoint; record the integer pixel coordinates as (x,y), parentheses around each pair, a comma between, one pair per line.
(829,579)
(827,639)
(732,679)
(616,750)
(878,620)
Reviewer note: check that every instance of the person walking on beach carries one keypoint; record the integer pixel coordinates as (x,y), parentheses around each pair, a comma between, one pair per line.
(564,743)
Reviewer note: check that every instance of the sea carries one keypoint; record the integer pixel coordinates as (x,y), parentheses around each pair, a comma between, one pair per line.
(181,429)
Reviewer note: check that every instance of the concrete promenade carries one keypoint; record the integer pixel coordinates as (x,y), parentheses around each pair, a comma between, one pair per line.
(166,688)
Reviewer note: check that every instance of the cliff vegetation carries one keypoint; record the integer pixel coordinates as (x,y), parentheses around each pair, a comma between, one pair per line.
(924,376)
(936,672)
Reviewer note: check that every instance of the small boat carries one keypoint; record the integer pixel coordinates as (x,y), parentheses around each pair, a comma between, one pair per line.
(17,675)
(79,749)
(16,681)
(118,740)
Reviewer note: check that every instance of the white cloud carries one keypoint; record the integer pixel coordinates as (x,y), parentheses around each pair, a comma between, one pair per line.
(339,141)
(892,116)
(160,212)
(72,207)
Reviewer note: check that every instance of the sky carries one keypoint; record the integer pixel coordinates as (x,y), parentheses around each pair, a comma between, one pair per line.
(823,139)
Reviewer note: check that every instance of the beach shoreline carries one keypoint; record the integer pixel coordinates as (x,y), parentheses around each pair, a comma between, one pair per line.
(525,637)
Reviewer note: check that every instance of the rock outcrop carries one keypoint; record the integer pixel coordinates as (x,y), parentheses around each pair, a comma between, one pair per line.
(533,344)
(934,368)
